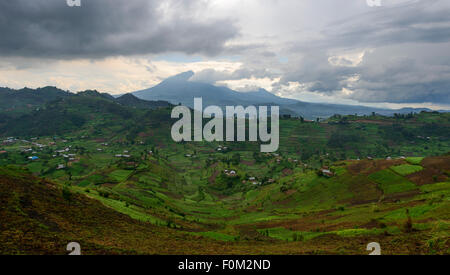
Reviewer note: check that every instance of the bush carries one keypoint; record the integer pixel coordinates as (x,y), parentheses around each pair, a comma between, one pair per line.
(67,195)
(103,194)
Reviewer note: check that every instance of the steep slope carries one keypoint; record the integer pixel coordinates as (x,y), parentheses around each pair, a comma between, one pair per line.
(39,217)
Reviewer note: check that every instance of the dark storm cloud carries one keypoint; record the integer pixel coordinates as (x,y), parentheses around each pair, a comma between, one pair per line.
(412,76)
(406,60)
(101,28)
(418,21)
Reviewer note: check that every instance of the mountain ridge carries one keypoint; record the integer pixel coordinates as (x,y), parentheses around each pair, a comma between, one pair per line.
(26,100)
(179,89)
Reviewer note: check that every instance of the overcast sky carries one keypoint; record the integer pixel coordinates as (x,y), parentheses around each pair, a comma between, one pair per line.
(345,51)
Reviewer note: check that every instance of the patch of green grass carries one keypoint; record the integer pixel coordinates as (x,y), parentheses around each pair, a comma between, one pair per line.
(406,169)
(84,183)
(120,175)
(414,160)
(435,187)
(391,182)
(132,211)
(415,212)
(35,167)
(363,231)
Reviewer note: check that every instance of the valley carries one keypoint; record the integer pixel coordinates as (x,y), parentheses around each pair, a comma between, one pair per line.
(107,174)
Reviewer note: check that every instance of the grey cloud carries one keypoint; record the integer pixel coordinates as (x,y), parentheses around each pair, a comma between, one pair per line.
(425,21)
(413,78)
(408,61)
(101,28)
(407,58)
(406,73)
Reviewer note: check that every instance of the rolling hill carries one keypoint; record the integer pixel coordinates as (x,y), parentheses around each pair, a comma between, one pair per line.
(25,100)
(105,172)
(302,213)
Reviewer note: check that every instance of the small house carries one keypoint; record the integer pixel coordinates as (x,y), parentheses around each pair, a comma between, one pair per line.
(327,173)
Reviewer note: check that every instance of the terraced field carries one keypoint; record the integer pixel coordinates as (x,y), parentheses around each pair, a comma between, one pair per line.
(182,198)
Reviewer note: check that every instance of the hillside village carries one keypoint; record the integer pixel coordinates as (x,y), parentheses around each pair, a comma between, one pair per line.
(230,192)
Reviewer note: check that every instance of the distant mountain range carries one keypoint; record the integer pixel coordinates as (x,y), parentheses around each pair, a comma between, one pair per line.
(179,89)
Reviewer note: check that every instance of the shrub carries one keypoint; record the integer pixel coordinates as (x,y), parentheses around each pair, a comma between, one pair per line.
(103,194)
(67,195)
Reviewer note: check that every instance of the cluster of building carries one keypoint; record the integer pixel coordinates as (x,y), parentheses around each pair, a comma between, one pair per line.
(279,158)
(255,181)
(230,173)
(252,180)
(222,148)
(387,158)
(9,140)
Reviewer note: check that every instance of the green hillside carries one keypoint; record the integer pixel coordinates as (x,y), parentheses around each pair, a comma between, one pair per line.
(108,175)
